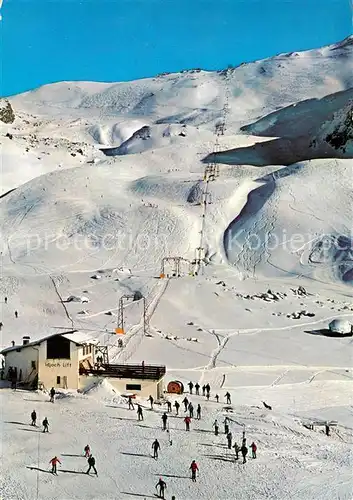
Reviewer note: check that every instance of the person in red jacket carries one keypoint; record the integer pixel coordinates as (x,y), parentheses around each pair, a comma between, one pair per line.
(87,451)
(53,463)
(187,421)
(193,468)
(253,449)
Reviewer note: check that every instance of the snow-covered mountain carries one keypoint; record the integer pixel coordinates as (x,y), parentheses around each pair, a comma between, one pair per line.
(252,165)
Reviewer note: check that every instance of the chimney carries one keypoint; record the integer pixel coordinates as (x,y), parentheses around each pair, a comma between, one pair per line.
(13,343)
(26,340)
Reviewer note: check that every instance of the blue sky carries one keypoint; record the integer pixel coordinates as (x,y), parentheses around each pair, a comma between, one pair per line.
(44,41)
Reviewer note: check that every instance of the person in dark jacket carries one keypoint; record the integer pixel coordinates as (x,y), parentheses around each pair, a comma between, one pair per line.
(139,412)
(92,465)
(208,389)
(191,410)
(244,452)
(34,418)
(236,449)
(185,402)
(52,394)
(226,425)
(198,412)
(155,447)
(131,405)
(216,427)
(169,406)
(164,420)
(229,440)
(197,389)
(177,406)
(45,425)
(191,386)
(161,485)
(150,399)
(217,398)
(227,396)
(203,390)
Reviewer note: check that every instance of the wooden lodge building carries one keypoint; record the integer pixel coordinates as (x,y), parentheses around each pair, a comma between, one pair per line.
(69,361)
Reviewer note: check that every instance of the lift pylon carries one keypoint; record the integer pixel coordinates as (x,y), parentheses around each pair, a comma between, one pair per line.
(120,328)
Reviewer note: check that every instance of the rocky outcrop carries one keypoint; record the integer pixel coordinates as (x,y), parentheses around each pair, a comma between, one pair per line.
(6,112)
(341,136)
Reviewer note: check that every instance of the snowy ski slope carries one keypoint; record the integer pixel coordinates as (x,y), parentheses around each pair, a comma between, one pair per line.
(99,183)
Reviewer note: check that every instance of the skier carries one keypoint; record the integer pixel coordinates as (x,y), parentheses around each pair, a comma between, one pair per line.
(5,300)
(164,420)
(1,325)
(215,425)
(197,389)
(203,390)
(139,412)
(217,398)
(198,412)
(45,424)
(187,421)
(253,449)
(185,402)
(169,406)
(226,425)
(193,468)
(150,399)
(87,451)
(208,389)
(229,440)
(191,386)
(34,418)
(327,430)
(227,396)
(207,396)
(131,405)
(16,314)
(177,406)
(52,394)
(155,446)
(162,486)
(244,452)
(236,449)
(191,410)
(92,464)
(53,463)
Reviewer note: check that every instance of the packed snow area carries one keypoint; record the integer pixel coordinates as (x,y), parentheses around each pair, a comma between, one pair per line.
(99,184)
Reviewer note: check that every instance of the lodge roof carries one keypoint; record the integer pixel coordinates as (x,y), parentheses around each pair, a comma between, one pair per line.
(79,338)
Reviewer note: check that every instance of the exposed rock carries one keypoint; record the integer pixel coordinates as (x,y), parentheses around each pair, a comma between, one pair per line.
(6,112)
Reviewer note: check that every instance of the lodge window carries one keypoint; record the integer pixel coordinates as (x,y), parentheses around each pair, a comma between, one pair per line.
(87,349)
(58,348)
(58,379)
(133,387)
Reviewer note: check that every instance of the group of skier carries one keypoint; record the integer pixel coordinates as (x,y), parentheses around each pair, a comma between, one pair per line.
(243,449)
(189,409)
(86,453)
(45,422)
